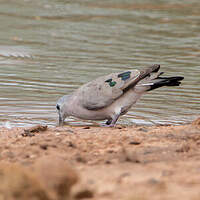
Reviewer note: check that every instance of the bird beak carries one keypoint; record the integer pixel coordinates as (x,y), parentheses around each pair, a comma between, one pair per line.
(61,121)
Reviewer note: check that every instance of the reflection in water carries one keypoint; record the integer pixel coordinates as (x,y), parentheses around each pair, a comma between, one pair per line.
(48,49)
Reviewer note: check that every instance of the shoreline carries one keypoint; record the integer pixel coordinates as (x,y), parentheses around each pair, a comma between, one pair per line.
(124,162)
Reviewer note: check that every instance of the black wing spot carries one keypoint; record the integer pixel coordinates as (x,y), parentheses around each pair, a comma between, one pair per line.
(125,75)
(57,107)
(109,80)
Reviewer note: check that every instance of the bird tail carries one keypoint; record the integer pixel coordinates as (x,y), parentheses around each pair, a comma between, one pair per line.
(154,81)
(165,81)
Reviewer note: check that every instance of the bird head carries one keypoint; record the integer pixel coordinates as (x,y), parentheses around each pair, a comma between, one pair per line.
(62,108)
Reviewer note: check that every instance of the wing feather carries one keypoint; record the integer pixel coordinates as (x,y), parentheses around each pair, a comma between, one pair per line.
(104,90)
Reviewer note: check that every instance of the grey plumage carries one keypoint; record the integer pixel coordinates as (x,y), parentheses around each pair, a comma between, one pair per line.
(110,96)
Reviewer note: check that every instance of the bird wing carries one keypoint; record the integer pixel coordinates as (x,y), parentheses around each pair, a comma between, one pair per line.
(105,90)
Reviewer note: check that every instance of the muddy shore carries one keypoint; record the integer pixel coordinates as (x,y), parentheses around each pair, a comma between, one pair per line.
(125,163)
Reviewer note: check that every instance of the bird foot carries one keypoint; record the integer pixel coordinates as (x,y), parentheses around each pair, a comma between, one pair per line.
(107,125)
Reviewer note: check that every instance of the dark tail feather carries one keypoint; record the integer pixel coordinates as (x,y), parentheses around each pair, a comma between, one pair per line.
(166,81)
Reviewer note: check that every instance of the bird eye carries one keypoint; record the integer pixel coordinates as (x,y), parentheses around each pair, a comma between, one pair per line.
(58,107)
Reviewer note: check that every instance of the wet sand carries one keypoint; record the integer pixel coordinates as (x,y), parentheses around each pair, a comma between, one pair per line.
(125,163)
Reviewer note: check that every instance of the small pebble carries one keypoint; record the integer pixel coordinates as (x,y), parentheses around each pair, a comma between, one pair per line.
(44,146)
(86,127)
(135,142)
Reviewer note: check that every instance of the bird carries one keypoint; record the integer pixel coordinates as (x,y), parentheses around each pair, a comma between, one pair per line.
(111,96)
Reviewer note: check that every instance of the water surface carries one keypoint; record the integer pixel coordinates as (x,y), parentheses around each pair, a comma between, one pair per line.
(50,48)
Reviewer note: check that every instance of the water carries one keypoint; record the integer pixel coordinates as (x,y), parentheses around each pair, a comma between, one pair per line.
(49,48)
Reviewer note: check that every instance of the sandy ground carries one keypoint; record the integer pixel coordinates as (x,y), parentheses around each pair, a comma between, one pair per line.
(125,163)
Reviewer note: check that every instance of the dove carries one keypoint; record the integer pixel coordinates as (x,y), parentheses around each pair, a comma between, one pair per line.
(110,96)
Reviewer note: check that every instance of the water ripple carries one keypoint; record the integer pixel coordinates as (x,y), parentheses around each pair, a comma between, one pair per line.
(49,48)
